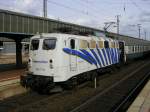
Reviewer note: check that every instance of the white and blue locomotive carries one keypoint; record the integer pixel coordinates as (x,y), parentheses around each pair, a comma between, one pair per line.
(65,59)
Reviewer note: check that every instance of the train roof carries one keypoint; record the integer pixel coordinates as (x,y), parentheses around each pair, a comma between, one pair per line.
(60,35)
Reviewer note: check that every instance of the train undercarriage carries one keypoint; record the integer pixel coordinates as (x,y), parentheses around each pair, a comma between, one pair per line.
(45,84)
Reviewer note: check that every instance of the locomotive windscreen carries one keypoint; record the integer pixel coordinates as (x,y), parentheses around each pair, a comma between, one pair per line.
(49,44)
(34,44)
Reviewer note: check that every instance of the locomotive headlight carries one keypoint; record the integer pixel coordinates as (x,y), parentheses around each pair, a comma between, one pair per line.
(51,64)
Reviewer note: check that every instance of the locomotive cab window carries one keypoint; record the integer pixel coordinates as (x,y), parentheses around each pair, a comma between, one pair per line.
(72,44)
(106,44)
(34,44)
(49,44)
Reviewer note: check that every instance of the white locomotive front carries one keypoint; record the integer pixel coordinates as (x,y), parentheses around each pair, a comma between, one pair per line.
(64,59)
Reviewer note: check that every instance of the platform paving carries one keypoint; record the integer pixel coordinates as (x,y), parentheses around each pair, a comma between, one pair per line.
(8,78)
(10,83)
(142,102)
(11,74)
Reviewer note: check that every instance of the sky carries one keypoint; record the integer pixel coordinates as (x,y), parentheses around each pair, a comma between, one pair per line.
(92,13)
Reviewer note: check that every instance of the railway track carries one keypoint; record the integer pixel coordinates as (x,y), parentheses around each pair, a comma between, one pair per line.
(67,100)
(115,98)
(125,103)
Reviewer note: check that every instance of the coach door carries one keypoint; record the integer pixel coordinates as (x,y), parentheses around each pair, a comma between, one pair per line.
(73,58)
(121,48)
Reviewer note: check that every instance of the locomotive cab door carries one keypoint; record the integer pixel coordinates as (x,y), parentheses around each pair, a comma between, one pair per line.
(121,48)
(73,58)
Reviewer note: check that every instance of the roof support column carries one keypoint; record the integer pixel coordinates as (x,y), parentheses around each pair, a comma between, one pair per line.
(18,53)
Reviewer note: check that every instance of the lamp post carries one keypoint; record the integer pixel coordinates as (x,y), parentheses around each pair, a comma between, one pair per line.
(139,28)
(118,25)
(45,8)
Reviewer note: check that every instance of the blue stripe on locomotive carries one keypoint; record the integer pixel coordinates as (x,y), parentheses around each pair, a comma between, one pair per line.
(111,53)
(104,53)
(100,55)
(95,55)
(89,55)
(77,53)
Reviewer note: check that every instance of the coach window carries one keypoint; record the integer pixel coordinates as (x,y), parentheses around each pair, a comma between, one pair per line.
(138,48)
(112,44)
(92,44)
(115,45)
(72,44)
(83,44)
(88,45)
(101,44)
(106,44)
(133,50)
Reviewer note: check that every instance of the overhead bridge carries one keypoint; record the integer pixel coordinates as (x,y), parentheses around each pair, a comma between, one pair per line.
(18,26)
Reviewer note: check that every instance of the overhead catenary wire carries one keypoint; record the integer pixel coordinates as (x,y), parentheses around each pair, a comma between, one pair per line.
(90,10)
(73,9)
(65,6)
(137,6)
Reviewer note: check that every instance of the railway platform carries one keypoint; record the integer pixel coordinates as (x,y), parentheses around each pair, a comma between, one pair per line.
(9,83)
(142,101)
(10,76)
(9,73)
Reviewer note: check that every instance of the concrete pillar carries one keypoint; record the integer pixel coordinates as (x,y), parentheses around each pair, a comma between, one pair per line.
(18,53)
